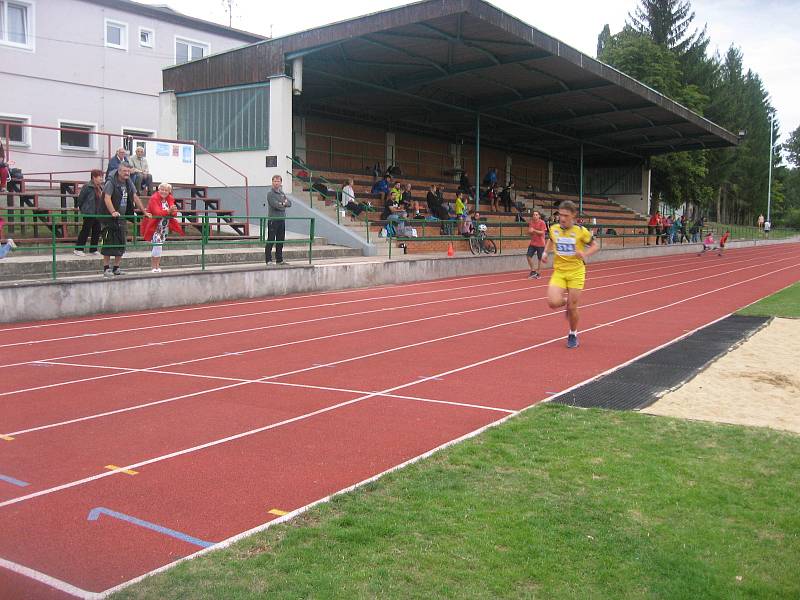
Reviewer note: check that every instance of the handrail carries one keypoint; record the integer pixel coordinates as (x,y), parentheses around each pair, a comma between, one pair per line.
(235,170)
(338,192)
(59,222)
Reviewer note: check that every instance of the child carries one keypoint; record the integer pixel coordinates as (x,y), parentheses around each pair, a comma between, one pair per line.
(723,240)
(572,244)
(708,243)
(460,206)
(5,249)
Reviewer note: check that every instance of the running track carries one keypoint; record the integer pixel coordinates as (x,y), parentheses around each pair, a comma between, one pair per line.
(185,427)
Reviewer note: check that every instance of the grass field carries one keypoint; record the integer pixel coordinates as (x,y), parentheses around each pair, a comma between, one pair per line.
(785,303)
(557,503)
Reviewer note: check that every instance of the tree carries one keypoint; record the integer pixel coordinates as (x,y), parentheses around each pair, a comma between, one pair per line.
(666,22)
(603,39)
(792,147)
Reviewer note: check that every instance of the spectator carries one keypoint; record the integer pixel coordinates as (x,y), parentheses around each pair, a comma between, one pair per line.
(697,230)
(506,196)
(382,187)
(684,223)
(653,226)
(119,197)
(490,179)
(394,214)
(760,217)
(464,185)
(397,192)
(675,231)
(491,195)
(9,245)
(665,225)
(142,178)
(409,203)
(460,207)
(89,203)
(537,229)
(155,230)
(349,201)
(4,173)
(120,158)
(277,203)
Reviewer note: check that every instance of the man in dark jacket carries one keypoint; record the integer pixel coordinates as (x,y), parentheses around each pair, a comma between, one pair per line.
(119,196)
(89,201)
(120,158)
(277,203)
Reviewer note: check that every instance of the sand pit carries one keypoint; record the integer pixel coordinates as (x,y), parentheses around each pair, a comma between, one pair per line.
(758,383)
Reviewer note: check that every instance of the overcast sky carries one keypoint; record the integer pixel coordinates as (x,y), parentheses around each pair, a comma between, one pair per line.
(765,30)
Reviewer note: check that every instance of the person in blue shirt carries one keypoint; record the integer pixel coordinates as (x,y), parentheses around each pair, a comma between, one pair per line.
(382,186)
(120,158)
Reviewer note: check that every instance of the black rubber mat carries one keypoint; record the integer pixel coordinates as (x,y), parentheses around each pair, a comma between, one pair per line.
(642,382)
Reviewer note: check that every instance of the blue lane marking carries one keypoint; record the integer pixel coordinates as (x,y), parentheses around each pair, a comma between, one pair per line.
(95,513)
(13,481)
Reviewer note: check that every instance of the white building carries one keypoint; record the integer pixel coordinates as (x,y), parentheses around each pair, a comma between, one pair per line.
(92,65)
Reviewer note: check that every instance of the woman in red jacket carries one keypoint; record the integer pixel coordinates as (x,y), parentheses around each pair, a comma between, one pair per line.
(154,230)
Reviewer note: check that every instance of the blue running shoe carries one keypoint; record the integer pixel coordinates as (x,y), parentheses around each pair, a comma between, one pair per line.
(572,341)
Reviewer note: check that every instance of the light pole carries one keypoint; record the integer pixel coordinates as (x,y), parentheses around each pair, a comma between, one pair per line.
(769,180)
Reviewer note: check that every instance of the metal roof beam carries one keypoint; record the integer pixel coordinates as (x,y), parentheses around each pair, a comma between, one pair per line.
(404,52)
(635,130)
(547,95)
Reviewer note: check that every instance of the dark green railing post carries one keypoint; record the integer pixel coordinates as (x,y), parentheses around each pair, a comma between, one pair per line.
(203,242)
(389,241)
(338,208)
(311,228)
(310,189)
(367,222)
(501,237)
(53,248)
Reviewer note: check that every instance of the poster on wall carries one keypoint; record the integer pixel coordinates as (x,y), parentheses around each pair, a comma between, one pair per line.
(169,162)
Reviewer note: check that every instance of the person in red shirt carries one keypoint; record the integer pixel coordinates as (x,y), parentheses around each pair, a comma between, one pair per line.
(653,226)
(666,225)
(154,229)
(722,241)
(537,229)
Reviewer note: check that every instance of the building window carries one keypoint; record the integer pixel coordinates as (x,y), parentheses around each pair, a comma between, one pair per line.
(146,37)
(16,134)
(129,135)
(16,24)
(116,34)
(229,120)
(79,136)
(186,50)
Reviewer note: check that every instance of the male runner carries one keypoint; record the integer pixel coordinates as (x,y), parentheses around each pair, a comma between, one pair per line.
(537,229)
(572,244)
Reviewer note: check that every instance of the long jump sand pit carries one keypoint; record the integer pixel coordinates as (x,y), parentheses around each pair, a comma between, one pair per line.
(757,383)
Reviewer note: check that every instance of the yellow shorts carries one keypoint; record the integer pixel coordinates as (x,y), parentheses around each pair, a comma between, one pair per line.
(569,279)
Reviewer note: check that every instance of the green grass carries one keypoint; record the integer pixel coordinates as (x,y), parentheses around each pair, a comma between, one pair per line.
(785,303)
(557,503)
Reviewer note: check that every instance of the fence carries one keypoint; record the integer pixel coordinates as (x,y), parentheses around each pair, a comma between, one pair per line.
(61,225)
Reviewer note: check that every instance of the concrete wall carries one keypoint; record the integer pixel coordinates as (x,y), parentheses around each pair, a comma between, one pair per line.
(70,74)
(46,300)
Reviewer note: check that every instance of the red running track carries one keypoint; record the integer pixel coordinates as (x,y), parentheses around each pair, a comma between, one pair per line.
(215,415)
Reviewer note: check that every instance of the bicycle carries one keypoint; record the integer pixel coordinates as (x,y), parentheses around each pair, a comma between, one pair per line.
(479,243)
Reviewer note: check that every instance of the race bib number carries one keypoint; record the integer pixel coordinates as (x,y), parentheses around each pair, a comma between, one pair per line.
(565,246)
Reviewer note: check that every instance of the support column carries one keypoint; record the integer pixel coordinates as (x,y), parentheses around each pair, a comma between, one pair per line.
(508,168)
(646,175)
(280,132)
(299,138)
(391,153)
(478,162)
(549,175)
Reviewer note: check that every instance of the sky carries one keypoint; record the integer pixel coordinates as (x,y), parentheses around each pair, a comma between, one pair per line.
(764,30)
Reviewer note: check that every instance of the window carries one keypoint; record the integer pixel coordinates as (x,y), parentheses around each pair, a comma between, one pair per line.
(78,138)
(146,37)
(17,134)
(186,50)
(233,119)
(116,34)
(130,134)
(16,19)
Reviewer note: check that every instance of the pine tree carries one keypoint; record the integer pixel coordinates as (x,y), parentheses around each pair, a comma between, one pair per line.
(603,39)
(667,23)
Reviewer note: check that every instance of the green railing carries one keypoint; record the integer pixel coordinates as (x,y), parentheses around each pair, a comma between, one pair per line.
(312,179)
(65,226)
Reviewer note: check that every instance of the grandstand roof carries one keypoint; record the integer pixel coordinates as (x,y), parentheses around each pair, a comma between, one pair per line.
(435,65)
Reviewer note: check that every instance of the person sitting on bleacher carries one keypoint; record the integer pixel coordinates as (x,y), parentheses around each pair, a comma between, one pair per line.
(349,201)
(119,159)
(141,176)
(382,187)
(394,212)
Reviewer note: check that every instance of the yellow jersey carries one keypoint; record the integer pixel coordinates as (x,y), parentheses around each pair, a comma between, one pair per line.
(566,242)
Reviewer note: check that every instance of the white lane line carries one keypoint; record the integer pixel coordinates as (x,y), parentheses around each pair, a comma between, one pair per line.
(635,262)
(251,432)
(362,330)
(369,355)
(58,584)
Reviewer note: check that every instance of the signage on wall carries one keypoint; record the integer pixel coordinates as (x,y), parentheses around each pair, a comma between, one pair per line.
(272,162)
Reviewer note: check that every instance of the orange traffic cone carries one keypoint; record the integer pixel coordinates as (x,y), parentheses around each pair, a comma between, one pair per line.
(450,250)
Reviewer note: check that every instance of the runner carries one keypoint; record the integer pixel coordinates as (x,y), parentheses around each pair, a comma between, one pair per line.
(708,243)
(723,240)
(537,228)
(572,244)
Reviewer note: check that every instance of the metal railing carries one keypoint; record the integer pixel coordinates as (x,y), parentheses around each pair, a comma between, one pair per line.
(17,223)
(311,180)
